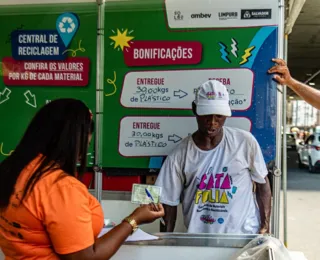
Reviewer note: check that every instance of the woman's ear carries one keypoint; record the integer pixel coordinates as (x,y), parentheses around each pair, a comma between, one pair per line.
(194,108)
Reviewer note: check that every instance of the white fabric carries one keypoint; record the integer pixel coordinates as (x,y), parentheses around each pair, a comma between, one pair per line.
(212,98)
(197,178)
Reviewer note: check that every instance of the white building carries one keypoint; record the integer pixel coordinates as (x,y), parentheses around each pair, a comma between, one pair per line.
(303,114)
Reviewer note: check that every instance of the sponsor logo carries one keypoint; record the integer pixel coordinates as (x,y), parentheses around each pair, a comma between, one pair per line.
(211,95)
(220,220)
(207,219)
(200,16)
(178,16)
(247,14)
(228,15)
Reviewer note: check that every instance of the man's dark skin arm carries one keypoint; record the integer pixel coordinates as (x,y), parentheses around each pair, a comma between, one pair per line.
(170,218)
(309,94)
(263,194)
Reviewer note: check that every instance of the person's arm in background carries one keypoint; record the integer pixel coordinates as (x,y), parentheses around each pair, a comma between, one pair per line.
(259,175)
(171,180)
(309,94)
(263,195)
(170,218)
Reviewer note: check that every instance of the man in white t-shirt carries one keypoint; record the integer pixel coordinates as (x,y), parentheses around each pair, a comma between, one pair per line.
(212,173)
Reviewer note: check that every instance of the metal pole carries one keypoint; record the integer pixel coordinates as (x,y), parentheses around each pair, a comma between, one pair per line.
(99,100)
(312,77)
(271,254)
(277,174)
(284,152)
(297,112)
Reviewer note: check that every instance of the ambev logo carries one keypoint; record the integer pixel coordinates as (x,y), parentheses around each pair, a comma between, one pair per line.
(200,16)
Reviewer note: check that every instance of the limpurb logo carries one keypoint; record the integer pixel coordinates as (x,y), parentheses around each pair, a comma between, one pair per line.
(228,15)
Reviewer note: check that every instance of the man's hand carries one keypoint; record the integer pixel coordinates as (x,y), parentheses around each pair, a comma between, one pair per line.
(284,76)
(264,230)
(309,94)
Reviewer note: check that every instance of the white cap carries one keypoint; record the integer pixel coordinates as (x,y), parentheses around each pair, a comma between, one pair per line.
(212,98)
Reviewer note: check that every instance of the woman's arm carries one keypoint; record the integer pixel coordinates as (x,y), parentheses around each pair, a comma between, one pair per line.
(107,245)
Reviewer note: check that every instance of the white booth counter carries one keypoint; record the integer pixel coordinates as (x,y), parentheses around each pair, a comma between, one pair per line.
(181,246)
(172,246)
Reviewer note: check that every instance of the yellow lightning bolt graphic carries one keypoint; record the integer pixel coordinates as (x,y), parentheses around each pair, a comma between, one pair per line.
(247,54)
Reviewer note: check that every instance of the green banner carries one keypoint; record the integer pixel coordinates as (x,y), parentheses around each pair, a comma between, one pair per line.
(29,83)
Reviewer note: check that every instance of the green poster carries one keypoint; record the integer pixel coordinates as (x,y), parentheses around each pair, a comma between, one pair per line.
(46,52)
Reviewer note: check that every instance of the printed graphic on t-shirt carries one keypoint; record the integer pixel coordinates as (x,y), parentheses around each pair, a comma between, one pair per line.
(207,219)
(214,193)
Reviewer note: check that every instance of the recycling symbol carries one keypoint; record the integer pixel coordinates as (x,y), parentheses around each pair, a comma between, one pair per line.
(67,25)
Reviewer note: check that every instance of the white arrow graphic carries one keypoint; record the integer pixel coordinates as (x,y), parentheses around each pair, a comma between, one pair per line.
(174,138)
(4,95)
(180,93)
(31,99)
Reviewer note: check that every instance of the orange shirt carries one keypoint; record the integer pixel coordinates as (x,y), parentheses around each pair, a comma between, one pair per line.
(59,216)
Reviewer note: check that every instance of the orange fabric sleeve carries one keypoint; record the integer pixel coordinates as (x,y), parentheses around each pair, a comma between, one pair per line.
(67,217)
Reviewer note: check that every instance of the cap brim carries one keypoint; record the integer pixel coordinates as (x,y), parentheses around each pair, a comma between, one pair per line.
(223,110)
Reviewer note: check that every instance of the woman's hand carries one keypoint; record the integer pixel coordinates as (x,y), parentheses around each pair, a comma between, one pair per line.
(147,214)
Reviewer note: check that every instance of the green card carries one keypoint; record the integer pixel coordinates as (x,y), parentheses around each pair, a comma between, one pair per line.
(139,194)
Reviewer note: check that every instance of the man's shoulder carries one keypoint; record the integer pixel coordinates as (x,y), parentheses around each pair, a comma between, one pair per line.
(239,134)
(180,148)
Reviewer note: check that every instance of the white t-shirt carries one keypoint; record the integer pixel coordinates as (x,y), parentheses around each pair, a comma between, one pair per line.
(215,187)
